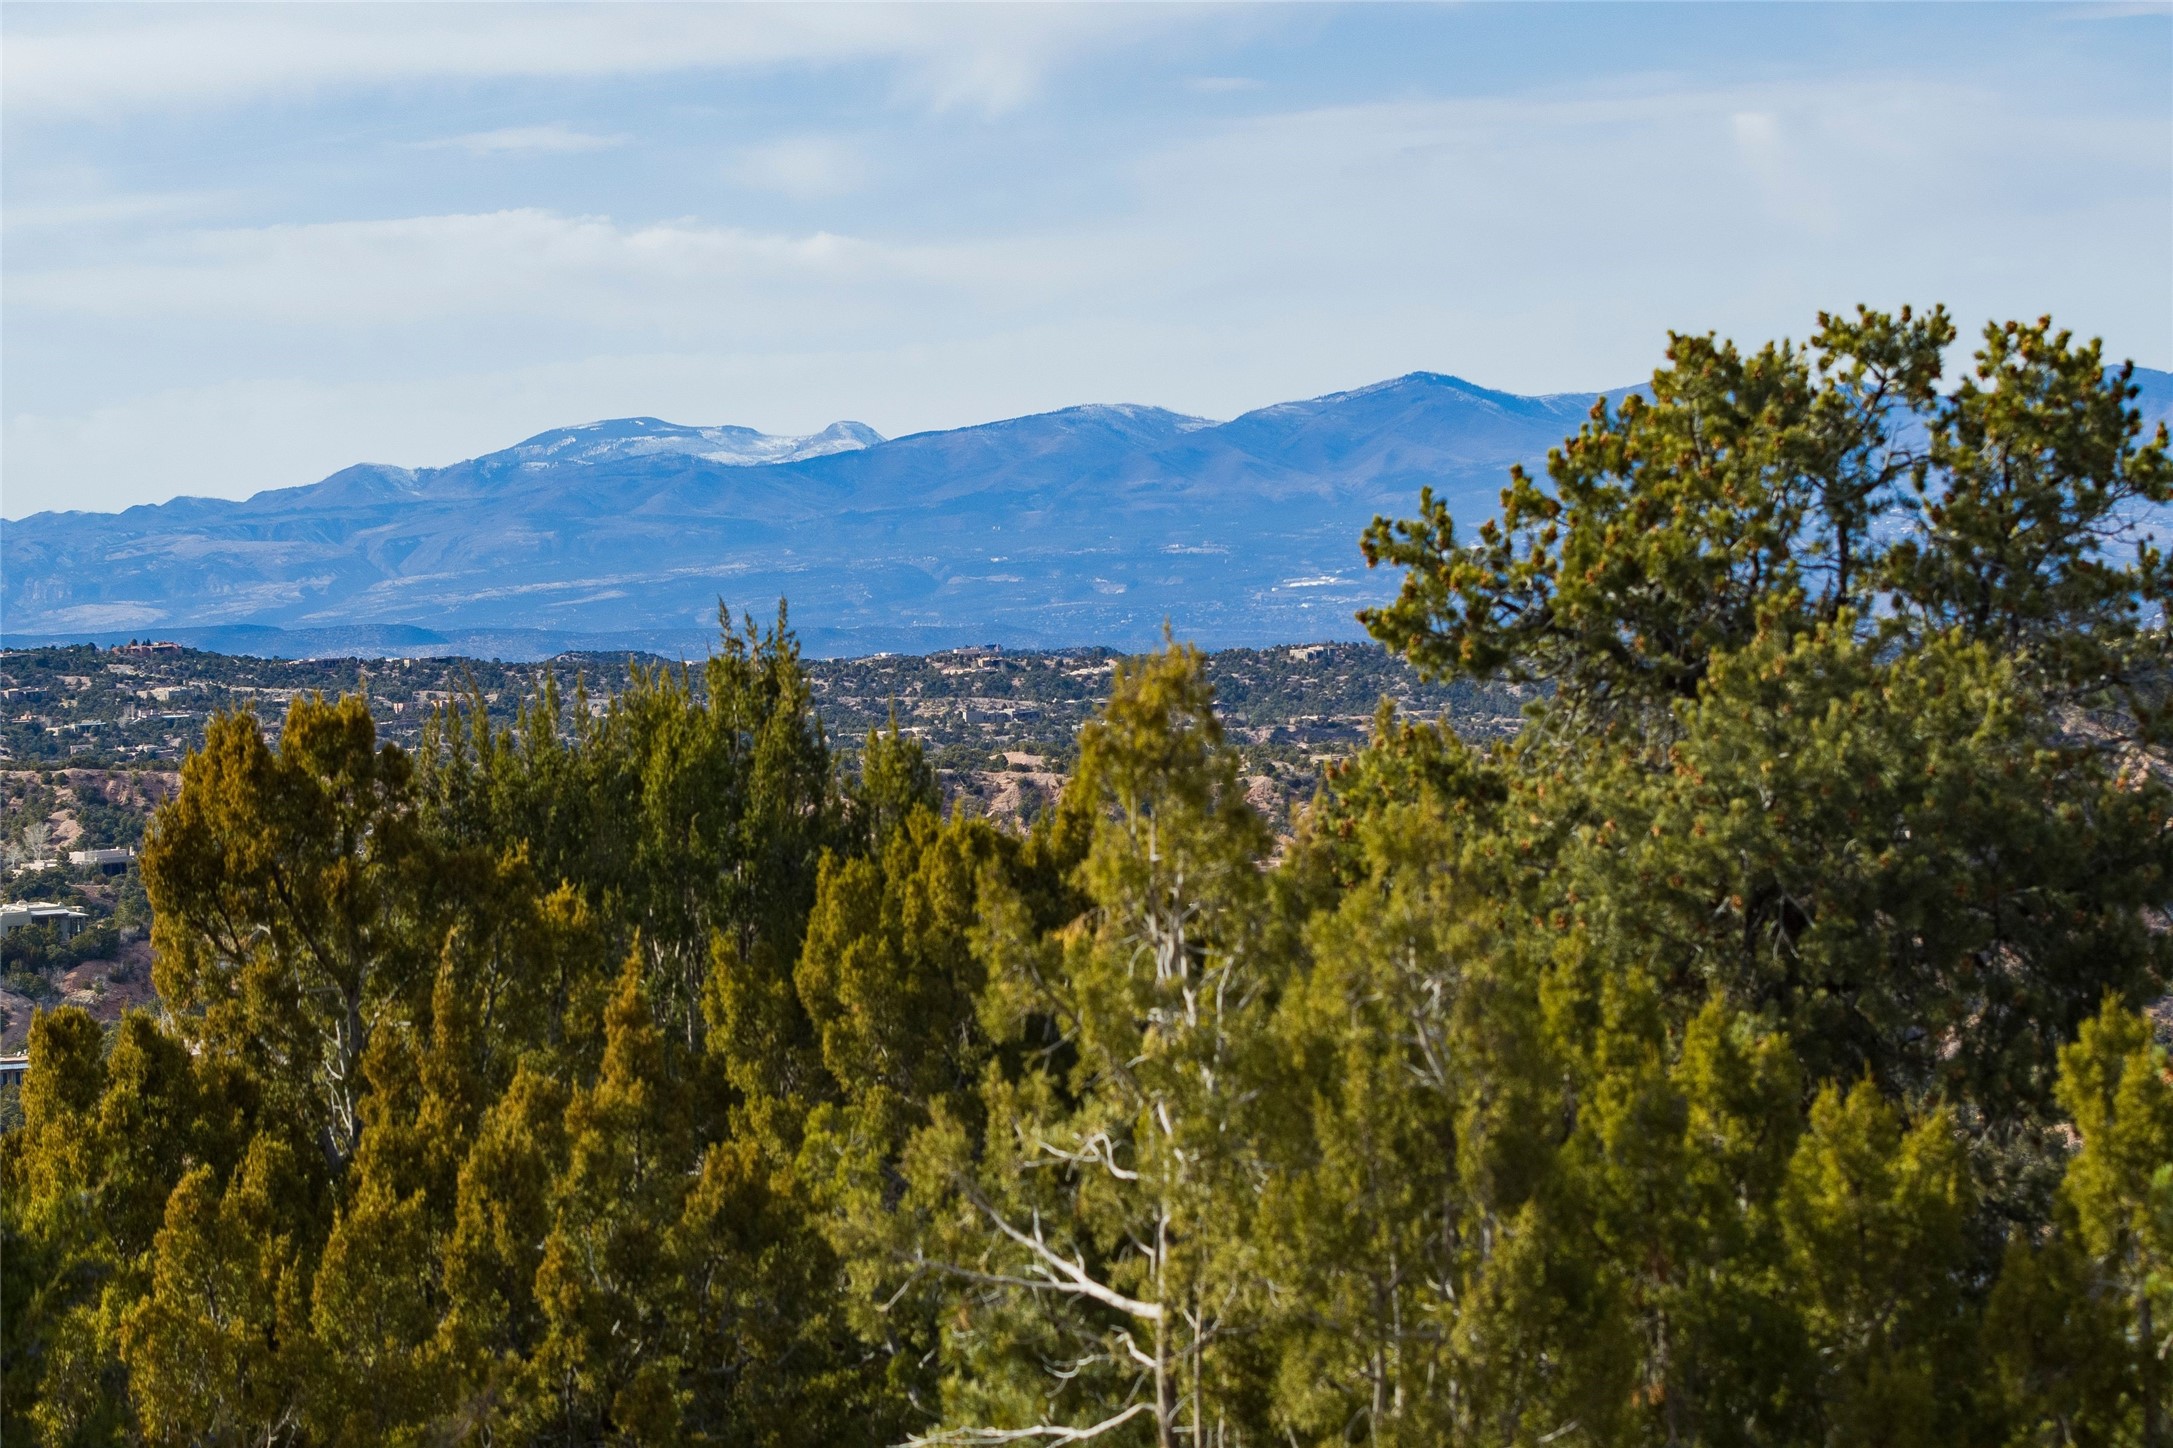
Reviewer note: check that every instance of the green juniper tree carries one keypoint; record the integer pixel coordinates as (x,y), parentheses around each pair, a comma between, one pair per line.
(1088,1211)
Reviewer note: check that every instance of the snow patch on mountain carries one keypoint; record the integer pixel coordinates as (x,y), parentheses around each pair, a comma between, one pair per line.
(635,437)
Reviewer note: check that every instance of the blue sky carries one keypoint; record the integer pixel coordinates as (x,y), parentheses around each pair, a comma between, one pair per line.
(247,245)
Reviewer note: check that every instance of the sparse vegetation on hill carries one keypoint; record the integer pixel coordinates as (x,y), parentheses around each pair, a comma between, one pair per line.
(1751,1048)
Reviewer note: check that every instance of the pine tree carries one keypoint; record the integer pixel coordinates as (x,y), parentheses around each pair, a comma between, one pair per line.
(1096,1220)
(1674,526)
(2059,1368)
(493,1322)
(55,1258)
(888,976)
(218,1347)
(606,1366)
(769,1357)
(295,896)
(1367,1217)
(1826,767)
(379,1297)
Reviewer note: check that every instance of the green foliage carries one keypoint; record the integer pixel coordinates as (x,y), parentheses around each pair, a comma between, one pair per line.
(1746,496)
(293,894)
(1873,1216)
(1750,1052)
(1889,858)
(888,975)
(681,814)
(1090,1204)
(1674,524)
(2117,1198)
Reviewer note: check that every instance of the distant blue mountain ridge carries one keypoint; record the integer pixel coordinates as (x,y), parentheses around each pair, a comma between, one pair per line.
(1091,525)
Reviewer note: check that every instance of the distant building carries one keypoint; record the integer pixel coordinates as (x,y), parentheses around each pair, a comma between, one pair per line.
(66,920)
(162,646)
(113,862)
(13,1069)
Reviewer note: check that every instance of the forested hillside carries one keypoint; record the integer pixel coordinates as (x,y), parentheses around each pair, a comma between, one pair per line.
(1752,1049)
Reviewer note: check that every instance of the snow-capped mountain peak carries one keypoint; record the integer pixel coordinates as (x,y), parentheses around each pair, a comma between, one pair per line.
(634,437)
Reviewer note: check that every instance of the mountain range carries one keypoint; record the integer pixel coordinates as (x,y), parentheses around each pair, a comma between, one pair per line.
(1091,525)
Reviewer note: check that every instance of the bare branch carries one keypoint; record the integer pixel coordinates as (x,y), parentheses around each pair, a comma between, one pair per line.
(1047,1432)
(1097,1150)
(1071,1275)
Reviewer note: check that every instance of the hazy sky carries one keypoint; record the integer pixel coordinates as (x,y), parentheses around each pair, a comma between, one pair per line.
(248,245)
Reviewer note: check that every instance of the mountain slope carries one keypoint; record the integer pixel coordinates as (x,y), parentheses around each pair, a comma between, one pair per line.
(1088,525)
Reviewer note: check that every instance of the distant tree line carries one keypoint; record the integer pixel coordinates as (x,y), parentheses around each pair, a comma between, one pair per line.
(1750,1052)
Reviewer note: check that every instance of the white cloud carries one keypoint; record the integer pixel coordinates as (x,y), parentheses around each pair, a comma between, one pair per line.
(88,61)
(806,168)
(1611,213)
(678,279)
(1755,131)
(1642,194)
(553,139)
(1787,181)
(89,209)
(409,269)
